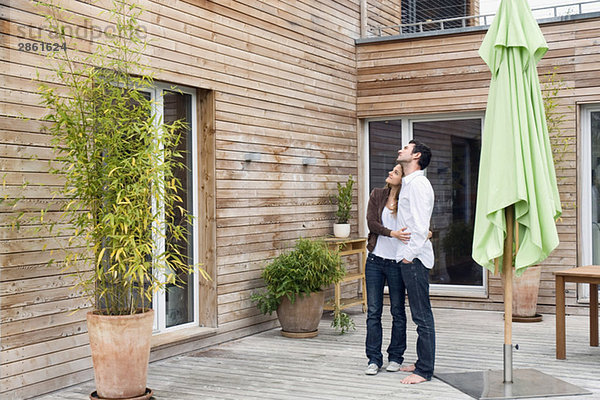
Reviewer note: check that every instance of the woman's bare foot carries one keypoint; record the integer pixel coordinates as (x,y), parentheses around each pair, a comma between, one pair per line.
(409,368)
(412,379)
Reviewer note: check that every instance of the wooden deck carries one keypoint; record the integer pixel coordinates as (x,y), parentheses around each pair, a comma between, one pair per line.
(330,366)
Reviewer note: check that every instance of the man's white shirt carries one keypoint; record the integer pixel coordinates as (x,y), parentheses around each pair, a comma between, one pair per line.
(415,206)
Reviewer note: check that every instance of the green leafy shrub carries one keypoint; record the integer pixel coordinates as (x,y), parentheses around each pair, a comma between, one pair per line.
(308,268)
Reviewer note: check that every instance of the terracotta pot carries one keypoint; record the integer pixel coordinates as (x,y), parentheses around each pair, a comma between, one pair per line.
(120,353)
(525,292)
(341,230)
(302,318)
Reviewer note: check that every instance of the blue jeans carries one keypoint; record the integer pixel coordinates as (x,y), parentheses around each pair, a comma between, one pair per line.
(415,277)
(377,271)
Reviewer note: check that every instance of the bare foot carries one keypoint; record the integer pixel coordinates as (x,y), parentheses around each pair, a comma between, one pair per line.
(409,368)
(412,379)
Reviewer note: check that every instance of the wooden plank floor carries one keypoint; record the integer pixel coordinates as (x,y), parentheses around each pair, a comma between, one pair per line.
(330,366)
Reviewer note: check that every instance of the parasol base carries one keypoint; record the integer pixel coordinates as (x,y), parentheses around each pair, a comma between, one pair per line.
(488,385)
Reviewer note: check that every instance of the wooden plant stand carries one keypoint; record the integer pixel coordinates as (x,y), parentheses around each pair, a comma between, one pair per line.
(349,246)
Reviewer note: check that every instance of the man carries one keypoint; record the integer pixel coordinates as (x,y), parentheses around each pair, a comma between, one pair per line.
(415,206)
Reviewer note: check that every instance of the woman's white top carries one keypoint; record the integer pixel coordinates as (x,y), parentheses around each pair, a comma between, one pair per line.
(386,246)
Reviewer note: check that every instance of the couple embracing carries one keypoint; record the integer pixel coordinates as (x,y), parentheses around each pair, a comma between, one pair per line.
(401,254)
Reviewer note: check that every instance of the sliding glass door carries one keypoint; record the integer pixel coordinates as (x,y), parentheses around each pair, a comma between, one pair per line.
(455,146)
(453,172)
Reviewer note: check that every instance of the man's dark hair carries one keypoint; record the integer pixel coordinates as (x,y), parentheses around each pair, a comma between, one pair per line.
(425,153)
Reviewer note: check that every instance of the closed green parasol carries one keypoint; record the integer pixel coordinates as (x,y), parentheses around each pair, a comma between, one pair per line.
(517,183)
(516,159)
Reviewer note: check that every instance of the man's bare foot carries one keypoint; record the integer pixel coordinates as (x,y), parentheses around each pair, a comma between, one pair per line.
(408,368)
(412,379)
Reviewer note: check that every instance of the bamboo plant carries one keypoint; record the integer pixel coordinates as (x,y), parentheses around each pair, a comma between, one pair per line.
(120,195)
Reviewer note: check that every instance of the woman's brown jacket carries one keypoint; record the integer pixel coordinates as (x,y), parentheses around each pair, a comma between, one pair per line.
(377,201)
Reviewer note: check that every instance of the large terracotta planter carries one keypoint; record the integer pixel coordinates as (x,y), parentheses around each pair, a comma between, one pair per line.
(301,319)
(120,353)
(525,292)
(525,295)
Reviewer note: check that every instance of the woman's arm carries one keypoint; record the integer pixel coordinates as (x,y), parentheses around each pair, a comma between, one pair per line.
(401,235)
(374,217)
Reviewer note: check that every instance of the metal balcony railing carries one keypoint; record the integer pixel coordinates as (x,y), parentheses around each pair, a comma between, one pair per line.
(444,25)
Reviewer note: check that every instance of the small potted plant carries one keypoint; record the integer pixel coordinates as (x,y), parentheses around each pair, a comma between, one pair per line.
(294,286)
(341,229)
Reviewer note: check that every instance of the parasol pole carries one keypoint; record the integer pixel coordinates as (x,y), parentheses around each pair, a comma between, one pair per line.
(507,270)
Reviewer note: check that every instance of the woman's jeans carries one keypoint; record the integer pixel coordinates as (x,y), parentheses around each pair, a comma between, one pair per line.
(378,271)
(401,278)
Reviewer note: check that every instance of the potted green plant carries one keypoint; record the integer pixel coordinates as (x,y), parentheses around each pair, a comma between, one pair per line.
(120,194)
(341,228)
(294,286)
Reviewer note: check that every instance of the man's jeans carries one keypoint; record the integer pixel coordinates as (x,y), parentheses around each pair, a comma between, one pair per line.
(379,270)
(415,277)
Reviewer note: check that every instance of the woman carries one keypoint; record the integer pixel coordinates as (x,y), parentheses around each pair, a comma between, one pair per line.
(381,267)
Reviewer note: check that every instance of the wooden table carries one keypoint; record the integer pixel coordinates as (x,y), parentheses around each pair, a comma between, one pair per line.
(588,274)
(349,246)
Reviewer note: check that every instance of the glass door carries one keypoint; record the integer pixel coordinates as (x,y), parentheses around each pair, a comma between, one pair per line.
(453,172)
(179,299)
(177,306)
(385,138)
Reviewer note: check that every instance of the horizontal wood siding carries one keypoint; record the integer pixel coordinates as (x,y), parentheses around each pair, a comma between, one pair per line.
(282,77)
(444,74)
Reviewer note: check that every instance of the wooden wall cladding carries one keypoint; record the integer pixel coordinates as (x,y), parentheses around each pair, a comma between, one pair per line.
(282,78)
